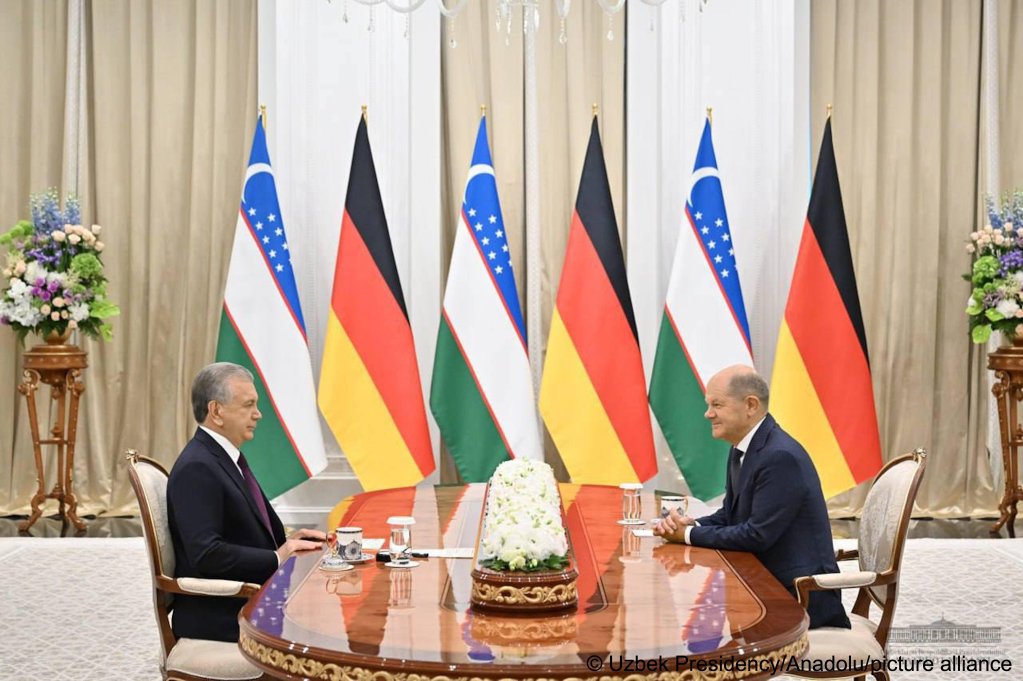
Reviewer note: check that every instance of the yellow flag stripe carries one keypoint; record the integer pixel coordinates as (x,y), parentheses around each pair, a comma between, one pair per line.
(358,416)
(574,415)
(798,409)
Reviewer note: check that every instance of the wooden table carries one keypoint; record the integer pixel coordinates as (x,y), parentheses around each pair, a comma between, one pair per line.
(638,599)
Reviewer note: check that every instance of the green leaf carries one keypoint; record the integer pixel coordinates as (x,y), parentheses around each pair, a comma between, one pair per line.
(103,309)
(974,307)
(980,334)
(994,315)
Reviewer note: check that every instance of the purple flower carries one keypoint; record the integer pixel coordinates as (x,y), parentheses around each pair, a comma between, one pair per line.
(45,295)
(992,299)
(1011,262)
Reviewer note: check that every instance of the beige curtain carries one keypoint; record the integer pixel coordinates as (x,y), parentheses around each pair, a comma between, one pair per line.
(903,76)
(171,106)
(1010,87)
(486,68)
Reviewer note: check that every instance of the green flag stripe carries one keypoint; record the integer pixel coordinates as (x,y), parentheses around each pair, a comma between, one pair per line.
(678,403)
(270,454)
(465,422)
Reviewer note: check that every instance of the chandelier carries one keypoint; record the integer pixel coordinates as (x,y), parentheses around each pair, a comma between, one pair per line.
(530,14)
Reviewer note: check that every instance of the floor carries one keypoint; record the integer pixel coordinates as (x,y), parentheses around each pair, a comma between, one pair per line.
(85,601)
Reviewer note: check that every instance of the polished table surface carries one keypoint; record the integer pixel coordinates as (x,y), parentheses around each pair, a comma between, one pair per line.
(638,598)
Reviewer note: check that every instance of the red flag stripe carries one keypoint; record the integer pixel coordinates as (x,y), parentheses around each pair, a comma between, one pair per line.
(380,332)
(834,360)
(602,336)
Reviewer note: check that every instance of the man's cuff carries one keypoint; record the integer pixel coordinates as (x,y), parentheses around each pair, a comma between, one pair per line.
(689,529)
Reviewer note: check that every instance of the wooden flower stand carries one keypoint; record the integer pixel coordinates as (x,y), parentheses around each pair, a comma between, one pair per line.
(60,367)
(1007,363)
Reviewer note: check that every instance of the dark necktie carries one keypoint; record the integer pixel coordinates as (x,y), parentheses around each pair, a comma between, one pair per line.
(734,466)
(254,491)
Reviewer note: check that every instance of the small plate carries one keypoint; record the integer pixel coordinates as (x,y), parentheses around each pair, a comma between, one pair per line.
(406,564)
(358,561)
(339,566)
(632,522)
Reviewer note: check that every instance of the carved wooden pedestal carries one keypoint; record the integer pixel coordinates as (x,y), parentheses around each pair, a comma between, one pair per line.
(1007,363)
(60,367)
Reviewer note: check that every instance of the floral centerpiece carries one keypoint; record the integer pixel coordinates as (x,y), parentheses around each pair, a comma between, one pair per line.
(523,529)
(523,547)
(996,301)
(53,273)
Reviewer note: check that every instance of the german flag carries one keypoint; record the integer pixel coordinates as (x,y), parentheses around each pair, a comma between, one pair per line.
(821,389)
(370,393)
(593,392)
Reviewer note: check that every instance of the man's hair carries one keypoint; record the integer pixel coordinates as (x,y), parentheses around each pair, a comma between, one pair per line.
(749,383)
(211,384)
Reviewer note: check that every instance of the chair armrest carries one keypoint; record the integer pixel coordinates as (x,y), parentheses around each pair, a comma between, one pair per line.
(195,586)
(846,554)
(837,581)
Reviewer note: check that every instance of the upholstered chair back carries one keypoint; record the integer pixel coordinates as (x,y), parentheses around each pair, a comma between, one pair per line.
(886,518)
(149,480)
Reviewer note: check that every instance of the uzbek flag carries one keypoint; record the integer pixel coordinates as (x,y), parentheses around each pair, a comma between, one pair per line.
(593,392)
(262,329)
(482,390)
(821,391)
(704,329)
(370,393)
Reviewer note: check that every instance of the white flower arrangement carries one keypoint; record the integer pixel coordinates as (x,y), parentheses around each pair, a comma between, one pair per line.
(522,528)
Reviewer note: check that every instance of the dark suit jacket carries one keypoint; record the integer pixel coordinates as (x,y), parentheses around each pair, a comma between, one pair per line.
(218,534)
(776,511)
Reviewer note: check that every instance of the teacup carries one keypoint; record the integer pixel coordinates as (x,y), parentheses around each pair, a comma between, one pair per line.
(668,504)
(349,542)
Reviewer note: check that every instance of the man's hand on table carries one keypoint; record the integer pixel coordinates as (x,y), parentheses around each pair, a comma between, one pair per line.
(305,539)
(673,527)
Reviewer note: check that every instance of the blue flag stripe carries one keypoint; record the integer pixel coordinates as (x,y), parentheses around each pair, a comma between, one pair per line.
(263,214)
(706,208)
(482,211)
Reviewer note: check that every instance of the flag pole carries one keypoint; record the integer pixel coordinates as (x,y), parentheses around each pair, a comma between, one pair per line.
(262,116)
(483,110)
(829,111)
(595,109)
(365,115)
(710,115)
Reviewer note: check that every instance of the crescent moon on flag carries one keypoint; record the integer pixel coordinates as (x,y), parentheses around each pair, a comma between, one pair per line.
(699,174)
(253,170)
(479,169)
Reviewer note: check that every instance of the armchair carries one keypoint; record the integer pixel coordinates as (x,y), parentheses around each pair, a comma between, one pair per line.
(182,659)
(882,537)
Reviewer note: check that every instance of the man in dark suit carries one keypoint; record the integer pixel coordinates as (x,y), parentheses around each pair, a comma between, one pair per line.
(221,523)
(773,505)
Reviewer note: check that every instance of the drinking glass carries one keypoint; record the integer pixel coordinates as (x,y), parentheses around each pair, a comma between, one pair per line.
(632,507)
(400,541)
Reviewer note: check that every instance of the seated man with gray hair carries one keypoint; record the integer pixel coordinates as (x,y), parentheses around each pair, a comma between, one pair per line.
(221,523)
(773,506)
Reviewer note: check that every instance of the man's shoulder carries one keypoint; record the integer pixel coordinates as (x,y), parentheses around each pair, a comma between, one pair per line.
(196,453)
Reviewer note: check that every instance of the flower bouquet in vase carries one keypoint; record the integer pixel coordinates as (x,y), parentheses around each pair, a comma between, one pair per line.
(996,298)
(53,274)
(522,553)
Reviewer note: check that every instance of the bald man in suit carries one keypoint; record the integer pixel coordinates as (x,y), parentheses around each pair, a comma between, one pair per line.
(773,506)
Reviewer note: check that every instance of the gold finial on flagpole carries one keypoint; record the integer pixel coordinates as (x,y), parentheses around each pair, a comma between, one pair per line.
(829,111)
(710,115)
(365,116)
(595,109)
(483,110)
(262,115)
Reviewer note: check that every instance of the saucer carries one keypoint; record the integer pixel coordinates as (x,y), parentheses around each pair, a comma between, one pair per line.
(406,564)
(358,561)
(632,522)
(335,566)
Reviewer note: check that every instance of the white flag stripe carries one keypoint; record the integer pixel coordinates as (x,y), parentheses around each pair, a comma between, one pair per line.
(698,306)
(276,344)
(491,345)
